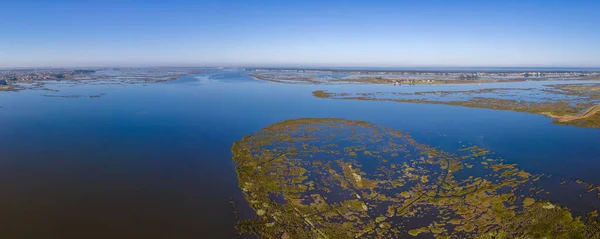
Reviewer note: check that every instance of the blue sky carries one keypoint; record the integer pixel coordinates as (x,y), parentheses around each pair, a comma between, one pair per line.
(300,33)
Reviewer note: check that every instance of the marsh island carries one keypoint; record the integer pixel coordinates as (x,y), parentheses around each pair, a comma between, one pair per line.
(568,104)
(335,178)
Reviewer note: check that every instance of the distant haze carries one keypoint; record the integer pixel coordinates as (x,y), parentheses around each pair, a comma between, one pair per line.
(66,33)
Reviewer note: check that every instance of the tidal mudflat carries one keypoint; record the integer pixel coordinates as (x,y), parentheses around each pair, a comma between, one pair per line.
(168,158)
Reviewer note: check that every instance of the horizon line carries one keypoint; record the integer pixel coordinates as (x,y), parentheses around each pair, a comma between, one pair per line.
(299,66)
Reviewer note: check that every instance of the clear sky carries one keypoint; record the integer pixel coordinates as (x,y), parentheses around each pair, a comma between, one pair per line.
(299,33)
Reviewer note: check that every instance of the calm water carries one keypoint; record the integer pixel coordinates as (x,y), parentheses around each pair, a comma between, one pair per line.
(154,161)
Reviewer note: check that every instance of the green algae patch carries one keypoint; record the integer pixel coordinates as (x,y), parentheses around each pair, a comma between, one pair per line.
(312,178)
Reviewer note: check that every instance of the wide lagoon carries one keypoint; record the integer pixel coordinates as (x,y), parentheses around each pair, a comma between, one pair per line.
(154,160)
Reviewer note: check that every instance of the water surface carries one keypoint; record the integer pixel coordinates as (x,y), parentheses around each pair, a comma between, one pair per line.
(154,160)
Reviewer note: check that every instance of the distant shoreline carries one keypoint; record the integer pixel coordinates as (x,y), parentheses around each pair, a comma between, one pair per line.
(431,69)
(413,78)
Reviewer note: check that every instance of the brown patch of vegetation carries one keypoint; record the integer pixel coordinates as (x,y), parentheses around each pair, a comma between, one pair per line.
(7,88)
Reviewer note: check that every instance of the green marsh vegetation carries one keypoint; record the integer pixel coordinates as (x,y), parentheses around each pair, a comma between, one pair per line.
(335,178)
(569,104)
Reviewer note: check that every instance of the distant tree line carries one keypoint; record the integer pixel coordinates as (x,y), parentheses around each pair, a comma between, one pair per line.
(58,75)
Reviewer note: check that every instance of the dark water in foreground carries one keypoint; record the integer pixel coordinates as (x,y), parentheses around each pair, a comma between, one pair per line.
(154,161)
